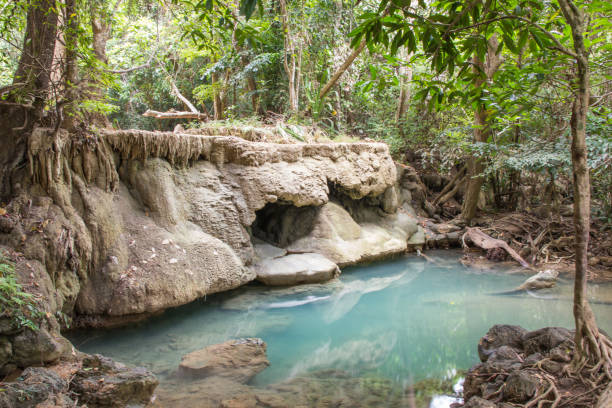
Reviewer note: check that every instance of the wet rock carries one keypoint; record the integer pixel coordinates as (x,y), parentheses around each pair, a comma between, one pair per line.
(520,386)
(544,340)
(541,280)
(477,402)
(237,360)
(243,401)
(102,382)
(503,353)
(35,386)
(37,347)
(295,269)
(500,335)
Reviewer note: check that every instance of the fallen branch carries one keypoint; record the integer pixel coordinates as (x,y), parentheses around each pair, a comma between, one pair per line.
(484,241)
(175,115)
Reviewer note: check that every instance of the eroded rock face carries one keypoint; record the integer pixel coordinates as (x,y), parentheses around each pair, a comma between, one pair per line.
(177,219)
(337,235)
(236,360)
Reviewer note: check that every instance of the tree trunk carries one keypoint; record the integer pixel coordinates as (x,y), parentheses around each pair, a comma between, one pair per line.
(405,77)
(217,101)
(71,74)
(341,70)
(591,347)
(482,130)
(291,61)
(36,62)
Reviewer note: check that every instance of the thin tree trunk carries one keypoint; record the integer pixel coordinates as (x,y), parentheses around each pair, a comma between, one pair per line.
(405,77)
(291,68)
(217,101)
(341,70)
(71,76)
(482,131)
(591,346)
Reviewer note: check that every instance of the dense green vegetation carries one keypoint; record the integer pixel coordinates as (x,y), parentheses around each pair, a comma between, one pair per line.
(16,304)
(419,96)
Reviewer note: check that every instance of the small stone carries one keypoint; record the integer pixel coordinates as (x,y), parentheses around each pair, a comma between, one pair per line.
(520,386)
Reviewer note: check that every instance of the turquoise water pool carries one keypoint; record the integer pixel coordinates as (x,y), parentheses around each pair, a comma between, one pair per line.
(405,319)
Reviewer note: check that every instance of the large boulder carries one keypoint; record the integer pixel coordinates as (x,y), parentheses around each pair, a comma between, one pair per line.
(237,360)
(296,269)
(102,382)
(35,386)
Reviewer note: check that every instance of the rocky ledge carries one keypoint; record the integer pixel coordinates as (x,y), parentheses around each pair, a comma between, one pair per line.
(162,219)
(523,368)
(93,380)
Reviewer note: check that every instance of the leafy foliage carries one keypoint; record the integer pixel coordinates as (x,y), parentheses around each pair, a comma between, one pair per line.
(15,303)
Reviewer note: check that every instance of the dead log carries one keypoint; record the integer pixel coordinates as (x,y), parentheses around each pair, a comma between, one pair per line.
(484,241)
(175,115)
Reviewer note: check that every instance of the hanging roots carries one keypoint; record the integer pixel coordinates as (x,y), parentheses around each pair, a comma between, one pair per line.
(53,155)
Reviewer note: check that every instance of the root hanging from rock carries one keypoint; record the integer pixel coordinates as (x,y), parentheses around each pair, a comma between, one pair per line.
(52,155)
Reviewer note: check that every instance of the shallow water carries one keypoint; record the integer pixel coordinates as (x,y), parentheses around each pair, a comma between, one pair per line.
(405,319)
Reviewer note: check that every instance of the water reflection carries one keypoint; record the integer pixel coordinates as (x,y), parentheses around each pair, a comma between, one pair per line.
(402,320)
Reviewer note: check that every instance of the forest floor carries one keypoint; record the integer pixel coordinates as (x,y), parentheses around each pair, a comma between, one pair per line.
(545,242)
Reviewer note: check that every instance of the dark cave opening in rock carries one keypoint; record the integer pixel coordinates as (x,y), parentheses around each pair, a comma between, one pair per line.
(280,224)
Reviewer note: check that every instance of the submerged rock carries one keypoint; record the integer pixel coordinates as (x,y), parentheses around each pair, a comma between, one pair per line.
(237,360)
(543,279)
(295,269)
(102,382)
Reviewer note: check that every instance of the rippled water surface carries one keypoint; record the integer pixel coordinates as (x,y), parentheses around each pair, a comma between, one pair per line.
(404,319)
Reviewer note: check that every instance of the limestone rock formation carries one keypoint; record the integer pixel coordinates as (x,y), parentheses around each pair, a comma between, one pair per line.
(335,234)
(236,360)
(296,269)
(144,221)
